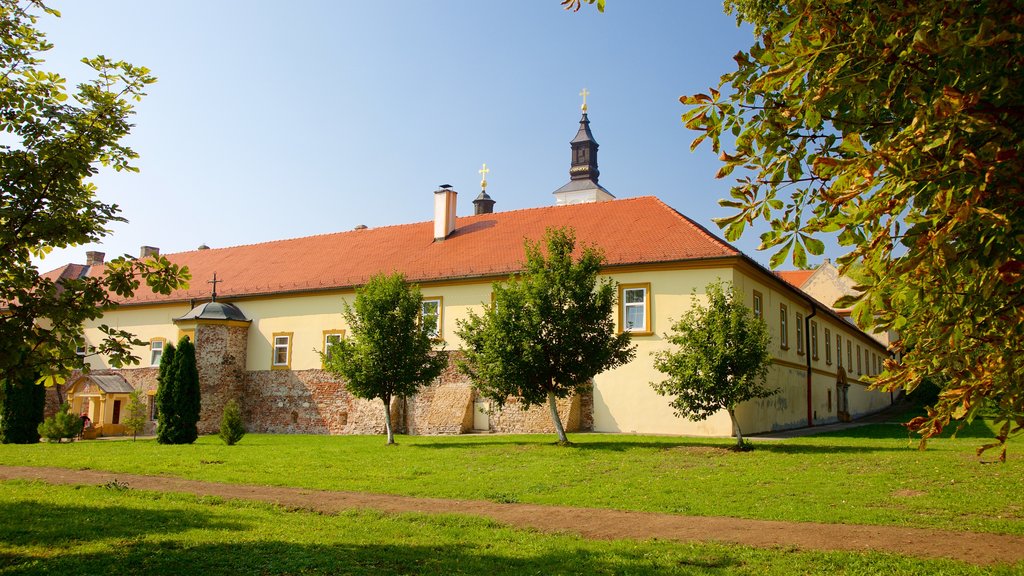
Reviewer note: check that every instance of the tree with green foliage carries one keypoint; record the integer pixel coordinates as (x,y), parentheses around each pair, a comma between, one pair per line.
(53,147)
(720,358)
(232,429)
(549,331)
(165,394)
(899,128)
(389,352)
(178,401)
(135,420)
(21,411)
(62,425)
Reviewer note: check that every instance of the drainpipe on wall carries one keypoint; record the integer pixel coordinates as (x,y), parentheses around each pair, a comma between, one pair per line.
(807,348)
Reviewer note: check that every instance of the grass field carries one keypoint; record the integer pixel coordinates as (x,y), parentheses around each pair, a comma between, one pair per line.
(105,530)
(868,475)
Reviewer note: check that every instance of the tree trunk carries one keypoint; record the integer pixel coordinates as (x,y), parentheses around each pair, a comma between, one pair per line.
(387,420)
(736,428)
(553,407)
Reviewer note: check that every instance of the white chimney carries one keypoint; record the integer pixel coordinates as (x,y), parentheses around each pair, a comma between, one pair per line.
(444,212)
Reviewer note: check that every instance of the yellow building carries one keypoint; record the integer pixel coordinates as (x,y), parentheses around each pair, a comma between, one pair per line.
(279,303)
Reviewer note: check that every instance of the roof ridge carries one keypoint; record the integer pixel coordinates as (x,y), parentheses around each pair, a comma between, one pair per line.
(394,226)
(700,227)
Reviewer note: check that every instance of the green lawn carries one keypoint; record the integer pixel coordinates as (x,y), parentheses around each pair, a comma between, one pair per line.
(869,475)
(104,530)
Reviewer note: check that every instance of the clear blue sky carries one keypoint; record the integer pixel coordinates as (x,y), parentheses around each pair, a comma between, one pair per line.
(274,120)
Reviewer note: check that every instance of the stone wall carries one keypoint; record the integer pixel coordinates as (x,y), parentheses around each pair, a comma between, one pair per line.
(220,359)
(536,419)
(306,402)
(443,407)
(316,401)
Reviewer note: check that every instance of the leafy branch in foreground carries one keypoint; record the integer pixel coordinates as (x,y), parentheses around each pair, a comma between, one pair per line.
(54,145)
(899,128)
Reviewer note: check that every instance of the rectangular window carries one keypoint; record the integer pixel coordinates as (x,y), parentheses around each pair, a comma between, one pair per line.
(859,365)
(634,308)
(430,315)
(758,304)
(849,354)
(332,337)
(783,327)
(152,408)
(799,333)
(828,346)
(156,351)
(839,350)
(814,340)
(282,352)
(82,350)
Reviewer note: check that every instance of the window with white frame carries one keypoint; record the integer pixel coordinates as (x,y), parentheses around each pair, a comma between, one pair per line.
(828,346)
(849,353)
(839,350)
(282,353)
(156,351)
(82,351)
(783,326)
(758,304)
(430,315)
(331,337)
(799,333)
(814,340)
(634,308)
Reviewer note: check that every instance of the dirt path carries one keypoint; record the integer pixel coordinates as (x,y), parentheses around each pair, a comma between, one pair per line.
(976,548)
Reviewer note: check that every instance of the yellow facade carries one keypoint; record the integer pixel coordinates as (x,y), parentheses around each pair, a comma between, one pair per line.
(624,400)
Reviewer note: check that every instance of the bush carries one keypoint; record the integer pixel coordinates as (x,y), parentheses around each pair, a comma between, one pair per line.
(61,425)
(231,427)
(21,412)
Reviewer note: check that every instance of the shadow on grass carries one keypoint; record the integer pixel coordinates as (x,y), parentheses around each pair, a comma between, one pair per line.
(145,541)
(28,523)
(658,443)
(897,431)
(275,557)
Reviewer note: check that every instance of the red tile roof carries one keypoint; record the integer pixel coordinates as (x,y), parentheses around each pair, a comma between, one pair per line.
(630,231)
(794,277)
(67,271)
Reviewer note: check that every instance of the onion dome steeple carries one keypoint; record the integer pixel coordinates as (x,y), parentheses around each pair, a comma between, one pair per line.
(583,172)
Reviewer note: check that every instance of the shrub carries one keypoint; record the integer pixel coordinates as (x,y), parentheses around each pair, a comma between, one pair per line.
(231,427)
(61,425)
(21,411)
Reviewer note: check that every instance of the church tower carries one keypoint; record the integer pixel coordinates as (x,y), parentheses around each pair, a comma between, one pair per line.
(583,172)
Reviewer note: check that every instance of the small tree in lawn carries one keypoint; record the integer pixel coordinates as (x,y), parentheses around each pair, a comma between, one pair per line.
(721,358)
(389,352)
(550,330)
(136,409)
(231,426)
(165,410)
(178,399)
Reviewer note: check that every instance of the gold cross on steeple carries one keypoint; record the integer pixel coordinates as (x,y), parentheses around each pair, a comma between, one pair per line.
(483,176)
(584,93)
